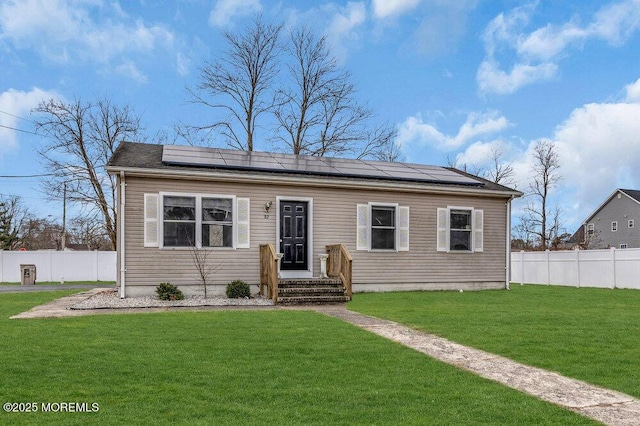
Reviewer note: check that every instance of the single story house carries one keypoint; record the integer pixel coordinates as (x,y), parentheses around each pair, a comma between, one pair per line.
(405,226)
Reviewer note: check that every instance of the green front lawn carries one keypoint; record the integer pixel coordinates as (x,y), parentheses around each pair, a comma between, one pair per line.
(239,367)
(586,333)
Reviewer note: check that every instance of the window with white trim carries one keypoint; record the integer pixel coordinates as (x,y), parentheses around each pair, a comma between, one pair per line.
(460,229)
(623,246)
(382,226)
(200,220)
(614,226)
(590,229)
(630,223)
(178,221)
(217,222)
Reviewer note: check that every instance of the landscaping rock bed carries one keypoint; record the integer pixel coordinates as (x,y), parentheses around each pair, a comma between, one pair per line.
(110,300)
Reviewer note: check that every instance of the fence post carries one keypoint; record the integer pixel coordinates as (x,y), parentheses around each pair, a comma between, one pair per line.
(97,268)
(1,266)
(613,265)
(578,268)
(548,267)
(522,267)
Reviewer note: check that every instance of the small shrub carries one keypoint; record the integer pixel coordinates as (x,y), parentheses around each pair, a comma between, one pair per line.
(238,289)
(168,291)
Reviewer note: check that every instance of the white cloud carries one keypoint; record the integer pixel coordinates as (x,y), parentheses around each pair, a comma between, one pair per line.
(415,132)
(480,153)
(617,22)
(16,106)
(441,26)
(548,42)
(347,19)
(633,91)
(65,31)
(491,79)
(389,8)
(224,11)
(599,149)
(343,25)
(130,70)
(536,54)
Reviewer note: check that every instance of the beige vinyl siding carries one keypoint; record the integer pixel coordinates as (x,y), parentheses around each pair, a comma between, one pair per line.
(334,221)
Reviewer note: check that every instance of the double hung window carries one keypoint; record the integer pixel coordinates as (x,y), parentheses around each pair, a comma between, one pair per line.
(194,220)
(460,229)
(179,221)
(383,228)
(217,222)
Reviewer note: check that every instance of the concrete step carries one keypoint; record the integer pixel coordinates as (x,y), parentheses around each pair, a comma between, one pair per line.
(312,282)
(311,290)
(311,300)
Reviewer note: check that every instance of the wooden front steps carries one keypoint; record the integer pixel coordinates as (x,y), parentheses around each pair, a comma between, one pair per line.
(311,291)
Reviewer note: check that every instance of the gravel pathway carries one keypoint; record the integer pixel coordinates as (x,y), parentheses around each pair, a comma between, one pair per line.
(110,300)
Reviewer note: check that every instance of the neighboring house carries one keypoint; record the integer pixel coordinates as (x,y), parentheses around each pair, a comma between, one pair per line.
(615,223)
(406,226)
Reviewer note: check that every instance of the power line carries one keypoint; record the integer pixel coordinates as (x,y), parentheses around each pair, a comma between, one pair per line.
(20,130)
(15,116)
(27,176)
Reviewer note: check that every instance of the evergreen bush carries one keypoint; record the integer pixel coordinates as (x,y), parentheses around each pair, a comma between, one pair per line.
(238,289)
(168,291)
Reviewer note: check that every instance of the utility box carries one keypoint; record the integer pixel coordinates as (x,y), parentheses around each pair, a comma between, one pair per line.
(27,274)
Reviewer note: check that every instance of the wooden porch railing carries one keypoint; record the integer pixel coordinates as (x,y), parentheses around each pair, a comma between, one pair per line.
(269,271)
(339,265)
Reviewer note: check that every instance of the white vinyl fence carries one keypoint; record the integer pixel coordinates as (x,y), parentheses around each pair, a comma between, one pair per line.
(59,266)
(579,268)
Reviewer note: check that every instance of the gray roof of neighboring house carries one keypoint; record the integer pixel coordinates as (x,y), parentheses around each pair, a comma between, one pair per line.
(133,156)
(633,193)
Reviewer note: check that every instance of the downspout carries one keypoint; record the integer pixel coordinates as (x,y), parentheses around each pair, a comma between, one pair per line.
(123,269)
(508,260)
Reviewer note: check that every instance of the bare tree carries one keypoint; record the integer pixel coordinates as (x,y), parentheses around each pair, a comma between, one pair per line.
(475,170)
(381,145)
(317,111)
(88,231)
(201,258)
(542,220)
(13,215)
(239,83)
(41,234)
(84,136)
(501,172)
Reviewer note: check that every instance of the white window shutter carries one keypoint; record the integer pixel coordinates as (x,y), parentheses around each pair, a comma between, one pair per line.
(242,224)
(403,228)
(362,237)
(478,230)
(442,238)
(151,220)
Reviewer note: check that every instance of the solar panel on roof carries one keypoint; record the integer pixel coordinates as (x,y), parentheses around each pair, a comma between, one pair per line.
(277,162)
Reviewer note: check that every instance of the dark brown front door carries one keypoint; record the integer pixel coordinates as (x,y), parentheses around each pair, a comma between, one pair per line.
(293,234)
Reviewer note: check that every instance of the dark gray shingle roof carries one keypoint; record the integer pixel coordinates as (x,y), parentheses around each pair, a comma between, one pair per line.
(633,193)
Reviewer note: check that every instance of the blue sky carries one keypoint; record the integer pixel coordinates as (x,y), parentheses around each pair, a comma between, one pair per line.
(454,78)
